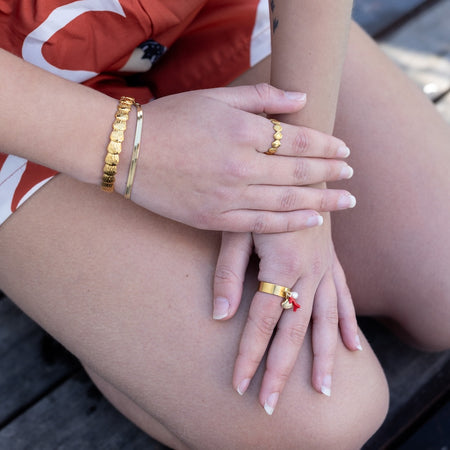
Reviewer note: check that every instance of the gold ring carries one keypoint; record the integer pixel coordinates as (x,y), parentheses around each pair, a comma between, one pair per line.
(277,136)
(289,296)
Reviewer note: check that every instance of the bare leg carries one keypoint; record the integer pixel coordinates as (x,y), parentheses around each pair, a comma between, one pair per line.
(395,246)
(130,294)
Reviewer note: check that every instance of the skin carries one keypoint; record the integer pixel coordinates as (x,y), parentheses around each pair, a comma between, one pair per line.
(129,292)
(320,28)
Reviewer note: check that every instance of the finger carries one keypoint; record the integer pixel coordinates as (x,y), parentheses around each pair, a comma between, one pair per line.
(281,198)
(259,98)
(348,324)
(264,313)
(229,277)
(262,222)
(299,141)
(324,334)
(298,171)
(285,347)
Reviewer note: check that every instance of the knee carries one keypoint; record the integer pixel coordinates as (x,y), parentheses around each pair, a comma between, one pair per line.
(346,420)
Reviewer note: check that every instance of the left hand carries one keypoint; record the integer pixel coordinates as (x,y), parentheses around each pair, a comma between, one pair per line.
(306,262)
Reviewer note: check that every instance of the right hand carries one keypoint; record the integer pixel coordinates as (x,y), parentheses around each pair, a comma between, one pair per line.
(202,162)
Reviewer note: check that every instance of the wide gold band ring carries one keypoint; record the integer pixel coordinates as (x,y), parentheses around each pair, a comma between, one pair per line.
(289,296)
(277,136)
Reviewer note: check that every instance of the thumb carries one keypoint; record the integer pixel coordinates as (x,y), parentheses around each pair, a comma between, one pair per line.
(230,273)
(259,98)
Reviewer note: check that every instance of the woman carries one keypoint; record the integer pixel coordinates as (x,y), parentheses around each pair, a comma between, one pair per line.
(127,286)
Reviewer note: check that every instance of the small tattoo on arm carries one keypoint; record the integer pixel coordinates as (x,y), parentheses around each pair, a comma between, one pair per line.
(274,24)
(275,19)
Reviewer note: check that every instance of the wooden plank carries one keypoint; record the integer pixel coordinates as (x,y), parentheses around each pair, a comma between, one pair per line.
(75,416)
(421,48)
(375,16)
(30,361)
(416,381)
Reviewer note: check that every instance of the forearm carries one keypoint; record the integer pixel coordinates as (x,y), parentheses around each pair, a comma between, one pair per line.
(51,121)
(309,40)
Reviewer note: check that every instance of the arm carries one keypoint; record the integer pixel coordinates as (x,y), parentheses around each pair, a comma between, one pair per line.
(309,41)
(66,126)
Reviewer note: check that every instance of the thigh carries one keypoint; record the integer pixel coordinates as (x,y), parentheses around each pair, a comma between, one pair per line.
(395,246)
(130,294)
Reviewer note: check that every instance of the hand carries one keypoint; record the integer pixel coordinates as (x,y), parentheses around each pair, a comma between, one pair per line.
(306,262)
(202,162)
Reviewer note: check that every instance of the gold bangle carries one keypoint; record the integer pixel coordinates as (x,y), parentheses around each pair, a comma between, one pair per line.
(116,138)
(136,148)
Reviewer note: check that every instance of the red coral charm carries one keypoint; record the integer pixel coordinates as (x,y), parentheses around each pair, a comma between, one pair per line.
(294,303)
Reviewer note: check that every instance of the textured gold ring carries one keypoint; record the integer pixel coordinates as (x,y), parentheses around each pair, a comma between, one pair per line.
(277,136)
(285,293)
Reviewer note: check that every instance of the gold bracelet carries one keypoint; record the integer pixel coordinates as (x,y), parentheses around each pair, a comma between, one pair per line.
(136,148)
(114,148)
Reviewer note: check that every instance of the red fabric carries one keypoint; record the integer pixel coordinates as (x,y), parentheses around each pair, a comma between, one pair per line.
(208,45)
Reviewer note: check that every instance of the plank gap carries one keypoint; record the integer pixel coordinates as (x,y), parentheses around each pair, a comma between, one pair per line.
(26,406)
(410,15)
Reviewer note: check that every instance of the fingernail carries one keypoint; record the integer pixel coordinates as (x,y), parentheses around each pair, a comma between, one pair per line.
(297,96)
(271,402)
(221,308)
(314,221)
(243,385)
(326,385)
(346,172)
(358,343)
(346,201)
(343,151)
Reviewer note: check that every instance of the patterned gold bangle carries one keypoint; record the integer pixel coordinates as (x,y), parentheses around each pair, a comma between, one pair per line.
(136,148)
(114,148)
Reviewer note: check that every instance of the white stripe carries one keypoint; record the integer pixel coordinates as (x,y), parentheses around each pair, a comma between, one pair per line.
(57,20)
(260,46)
(10,176)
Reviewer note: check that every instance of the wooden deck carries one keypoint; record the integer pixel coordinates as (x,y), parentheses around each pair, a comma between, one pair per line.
(47,402)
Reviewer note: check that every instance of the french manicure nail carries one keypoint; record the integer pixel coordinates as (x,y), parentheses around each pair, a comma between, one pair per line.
(346,201)
(221,308)
(297,96)
(346,172)
(326,385)
(343,151)
(243,385)
(271,402)
(314,221)
(358,343)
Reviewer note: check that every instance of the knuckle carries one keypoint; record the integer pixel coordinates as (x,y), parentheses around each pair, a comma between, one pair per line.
(264,324)
(263,91)
(288,200)
(301,141)
(226,274)
(332,316)
(261,225)
(237,170)
(296,333)
(301,171)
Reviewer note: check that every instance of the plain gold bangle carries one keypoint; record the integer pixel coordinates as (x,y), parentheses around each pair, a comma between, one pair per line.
(136,148)
(114,147)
